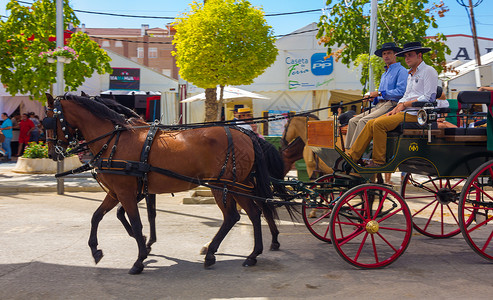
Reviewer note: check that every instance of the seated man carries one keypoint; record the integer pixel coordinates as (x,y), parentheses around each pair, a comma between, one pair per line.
(421,86)
(392,87)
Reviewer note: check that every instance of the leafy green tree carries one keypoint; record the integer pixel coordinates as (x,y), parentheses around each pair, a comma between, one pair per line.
(346,32)
(29,31)
(222,42)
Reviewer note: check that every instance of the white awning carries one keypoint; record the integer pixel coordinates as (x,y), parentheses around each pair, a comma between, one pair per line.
(228,93)
(129,92)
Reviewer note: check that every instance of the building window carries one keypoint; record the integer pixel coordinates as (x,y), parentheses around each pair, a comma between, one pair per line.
(152,52)
(106,44)
(140,52)
(166,72)
(118,44)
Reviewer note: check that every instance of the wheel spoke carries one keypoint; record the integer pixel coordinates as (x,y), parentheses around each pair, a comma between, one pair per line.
(481,190)
(453,215)
(393,229)
(374,248)
(387,242)
(355,210)
(487,242)
(431,216)
(380,205)
(441,217)
(361,247)
(471,229)
(320,219)
(424,207)
(345,239)
(459,182)
(388,216)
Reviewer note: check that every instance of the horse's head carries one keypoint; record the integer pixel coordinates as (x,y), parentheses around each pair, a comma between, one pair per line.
(296,127)
(59,133)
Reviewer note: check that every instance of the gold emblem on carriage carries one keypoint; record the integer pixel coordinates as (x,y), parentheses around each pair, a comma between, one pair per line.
(413,147)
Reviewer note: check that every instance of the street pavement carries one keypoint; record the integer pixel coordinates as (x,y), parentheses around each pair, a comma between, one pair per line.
(44,255)
(12,182)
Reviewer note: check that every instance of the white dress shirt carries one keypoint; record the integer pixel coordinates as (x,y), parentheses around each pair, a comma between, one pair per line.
(421,86)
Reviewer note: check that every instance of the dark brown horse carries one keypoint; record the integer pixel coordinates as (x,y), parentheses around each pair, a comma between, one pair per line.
(196,153)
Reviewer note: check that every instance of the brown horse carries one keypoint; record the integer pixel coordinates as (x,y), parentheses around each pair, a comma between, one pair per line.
(199,153)
(294,140)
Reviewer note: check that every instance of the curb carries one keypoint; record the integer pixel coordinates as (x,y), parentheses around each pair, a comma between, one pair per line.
(48,189)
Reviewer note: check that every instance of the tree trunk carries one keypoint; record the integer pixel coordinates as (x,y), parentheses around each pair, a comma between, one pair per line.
(210,104)
(220,103)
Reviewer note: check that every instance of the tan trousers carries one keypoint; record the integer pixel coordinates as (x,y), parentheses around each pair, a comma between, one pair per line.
(377,129)
(358,122)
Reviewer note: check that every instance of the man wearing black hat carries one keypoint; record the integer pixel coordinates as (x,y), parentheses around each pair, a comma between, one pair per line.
(421,86)
(391,89)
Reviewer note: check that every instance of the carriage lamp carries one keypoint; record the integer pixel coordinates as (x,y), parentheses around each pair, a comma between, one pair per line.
(426,115)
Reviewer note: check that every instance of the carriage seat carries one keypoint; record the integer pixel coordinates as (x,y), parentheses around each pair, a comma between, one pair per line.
(476,134)
(473,97)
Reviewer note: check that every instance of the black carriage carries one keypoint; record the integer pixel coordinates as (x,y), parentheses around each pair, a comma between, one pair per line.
(447,189)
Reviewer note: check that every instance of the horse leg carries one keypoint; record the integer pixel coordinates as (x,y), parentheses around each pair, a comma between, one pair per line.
(269,217)
(130,205)
(253,213)
(108,203)
(120,214)
(230,217)
(151,216)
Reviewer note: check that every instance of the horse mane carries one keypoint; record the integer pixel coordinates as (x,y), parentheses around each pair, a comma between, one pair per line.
(108,109)
(132,116)
(313,116)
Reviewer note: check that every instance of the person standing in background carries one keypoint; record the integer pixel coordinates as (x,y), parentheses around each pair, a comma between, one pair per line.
(6,129)
(26,126)
(36,131)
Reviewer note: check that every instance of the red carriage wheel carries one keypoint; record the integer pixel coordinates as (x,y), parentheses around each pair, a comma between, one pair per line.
(316,214)
(476,202)
(434,204)
(370,226)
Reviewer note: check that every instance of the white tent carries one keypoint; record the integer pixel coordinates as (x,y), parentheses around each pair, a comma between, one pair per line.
(463,77)
(9,103)
(229,93)
(129,93)
(301,78)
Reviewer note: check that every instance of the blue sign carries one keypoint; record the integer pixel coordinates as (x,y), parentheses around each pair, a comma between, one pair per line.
(320,65)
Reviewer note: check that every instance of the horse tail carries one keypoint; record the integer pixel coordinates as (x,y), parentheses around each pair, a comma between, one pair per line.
(275,167)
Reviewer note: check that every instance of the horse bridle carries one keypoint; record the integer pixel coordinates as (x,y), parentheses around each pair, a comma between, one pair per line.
(51,123)
(284,142)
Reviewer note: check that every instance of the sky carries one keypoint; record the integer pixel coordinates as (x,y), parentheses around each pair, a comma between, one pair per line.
(455,21)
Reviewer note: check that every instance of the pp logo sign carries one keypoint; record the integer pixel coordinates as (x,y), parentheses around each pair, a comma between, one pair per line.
(320,65)
(413,147)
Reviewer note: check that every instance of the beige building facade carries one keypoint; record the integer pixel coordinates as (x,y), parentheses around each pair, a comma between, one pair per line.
(150,47)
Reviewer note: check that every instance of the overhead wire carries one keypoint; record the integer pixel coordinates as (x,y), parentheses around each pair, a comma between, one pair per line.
(172,18)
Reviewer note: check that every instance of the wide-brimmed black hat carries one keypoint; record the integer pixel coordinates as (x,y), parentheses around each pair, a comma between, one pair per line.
(413,46)
(387,46)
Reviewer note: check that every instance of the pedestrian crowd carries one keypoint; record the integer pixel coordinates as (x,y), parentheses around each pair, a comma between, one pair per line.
(29,128)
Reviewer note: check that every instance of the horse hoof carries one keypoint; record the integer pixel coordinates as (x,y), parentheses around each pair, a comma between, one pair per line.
(312,214)
(250,262)
(204,250)
(97,256)
(275,246)
(136,269)
(208,262)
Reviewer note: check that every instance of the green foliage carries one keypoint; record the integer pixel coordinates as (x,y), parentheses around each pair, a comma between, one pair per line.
(223,42)
(346,32)
(36,150)
(26,34)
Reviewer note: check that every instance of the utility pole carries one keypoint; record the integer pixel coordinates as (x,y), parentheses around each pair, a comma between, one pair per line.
(474,35)
(373,41)
(59,78)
